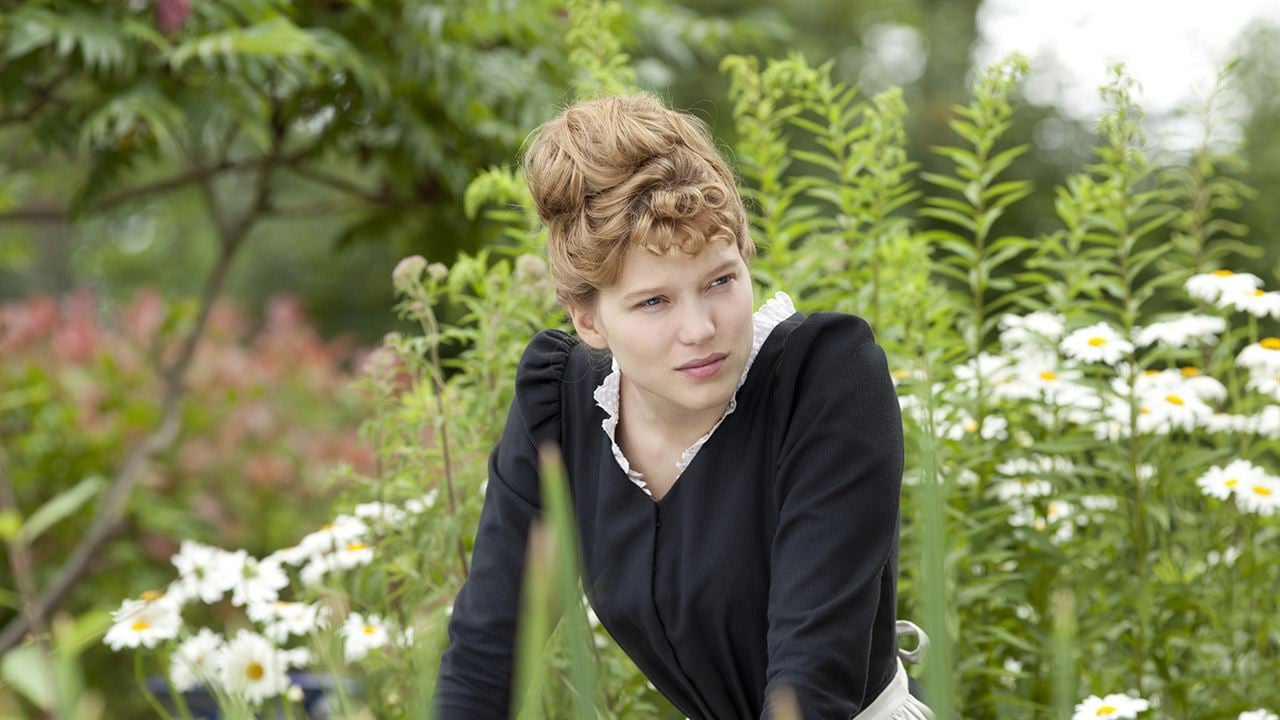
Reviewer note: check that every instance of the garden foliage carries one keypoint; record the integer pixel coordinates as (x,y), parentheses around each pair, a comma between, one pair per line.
(1092,415)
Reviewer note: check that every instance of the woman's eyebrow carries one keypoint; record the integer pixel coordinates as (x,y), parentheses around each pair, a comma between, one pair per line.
(637,294)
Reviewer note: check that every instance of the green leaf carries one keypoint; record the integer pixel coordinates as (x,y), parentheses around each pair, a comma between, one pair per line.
(944,180)
(59,507)
(818,159)
(24,670)
(952,217)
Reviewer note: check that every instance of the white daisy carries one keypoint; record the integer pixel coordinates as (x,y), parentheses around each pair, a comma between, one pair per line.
(146,621)
(1040,328)
(1096,343)
(1111,707)
(361,634)
(343,529)
(177,591)
(295,693)
(353,554)
(1164,410)
(1181,381)
(1210,286)
(254,581)
(1261,357)
(197,661)
(1254,302)
(1099,503)
(293,555)
(1259,714)
(1220,422)
(993,370)
(1022,488)
(1054,515)
(1227,557)
(1261,495)
(421,505)
(203,571)
(315,569)
(379,511)
(1036,376)
(1223,482)
(281,619)
(1266,422)
(994,427)
(1184,331)
(253,668)
(1035,465)
(1264,383)
(405,638)
(298,657)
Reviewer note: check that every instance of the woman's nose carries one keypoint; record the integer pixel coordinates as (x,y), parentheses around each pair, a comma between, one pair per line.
(697,326)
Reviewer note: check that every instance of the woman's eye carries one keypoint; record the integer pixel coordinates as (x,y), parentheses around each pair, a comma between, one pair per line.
(715,283)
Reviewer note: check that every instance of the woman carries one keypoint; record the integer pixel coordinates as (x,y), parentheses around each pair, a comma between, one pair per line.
(735,475)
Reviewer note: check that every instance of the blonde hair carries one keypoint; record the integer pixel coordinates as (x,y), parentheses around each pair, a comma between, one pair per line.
(627,170)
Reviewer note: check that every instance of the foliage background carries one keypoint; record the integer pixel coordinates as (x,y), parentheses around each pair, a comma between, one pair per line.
(293,153)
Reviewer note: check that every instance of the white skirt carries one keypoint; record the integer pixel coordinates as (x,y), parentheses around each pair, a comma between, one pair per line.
(895,702)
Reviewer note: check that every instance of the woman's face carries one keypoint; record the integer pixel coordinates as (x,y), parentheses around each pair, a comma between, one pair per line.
(667,311)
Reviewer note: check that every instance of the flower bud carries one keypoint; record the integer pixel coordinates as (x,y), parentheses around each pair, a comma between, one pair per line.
(407,272)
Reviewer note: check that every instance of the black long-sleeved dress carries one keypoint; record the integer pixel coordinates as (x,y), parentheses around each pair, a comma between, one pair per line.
(772,560)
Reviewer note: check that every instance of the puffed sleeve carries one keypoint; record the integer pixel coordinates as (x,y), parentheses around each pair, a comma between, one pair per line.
(476,669)
(837,485)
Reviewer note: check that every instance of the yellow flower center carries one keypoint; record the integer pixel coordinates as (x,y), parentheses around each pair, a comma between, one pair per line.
(1149,373)
(369,629)
(901,373)
(327,526)
(1174,399)
(1230,482)
(971,426)
(1271,343)
(151,595)
(140,626)
(1144,410)
(1096,341)
(1258,293)
(1190,372)
(1262,490)
(353,546)
(1108,709)
(254,671)
(1223,273)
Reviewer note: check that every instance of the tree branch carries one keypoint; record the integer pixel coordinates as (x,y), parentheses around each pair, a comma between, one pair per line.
(44,96)
(111,509)
(196,174)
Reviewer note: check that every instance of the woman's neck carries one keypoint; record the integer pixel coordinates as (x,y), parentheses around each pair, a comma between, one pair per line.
(671,426)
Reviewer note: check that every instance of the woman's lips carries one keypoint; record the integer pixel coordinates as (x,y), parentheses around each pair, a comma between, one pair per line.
(702,372)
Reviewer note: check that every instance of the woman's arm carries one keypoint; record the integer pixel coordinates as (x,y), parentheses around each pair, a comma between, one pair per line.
(833,561)
(476,669)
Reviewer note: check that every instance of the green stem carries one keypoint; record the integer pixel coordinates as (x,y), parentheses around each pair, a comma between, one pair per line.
(152,700)
(343,701)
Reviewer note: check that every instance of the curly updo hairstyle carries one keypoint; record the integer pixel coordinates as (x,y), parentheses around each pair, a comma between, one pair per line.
(627,170)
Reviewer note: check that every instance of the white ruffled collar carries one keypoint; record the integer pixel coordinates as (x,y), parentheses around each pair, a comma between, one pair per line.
(772,312)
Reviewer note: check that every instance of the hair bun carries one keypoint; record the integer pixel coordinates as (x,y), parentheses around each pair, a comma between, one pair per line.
(624,170)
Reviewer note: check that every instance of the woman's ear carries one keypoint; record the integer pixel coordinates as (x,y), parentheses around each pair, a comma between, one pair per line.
(586,323)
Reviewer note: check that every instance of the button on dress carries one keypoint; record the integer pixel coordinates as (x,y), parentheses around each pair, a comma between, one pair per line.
(772,560)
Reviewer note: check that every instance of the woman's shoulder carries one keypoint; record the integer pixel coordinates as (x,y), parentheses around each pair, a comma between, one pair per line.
(826,340)
(829,356)
(557,374)
(545,357)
